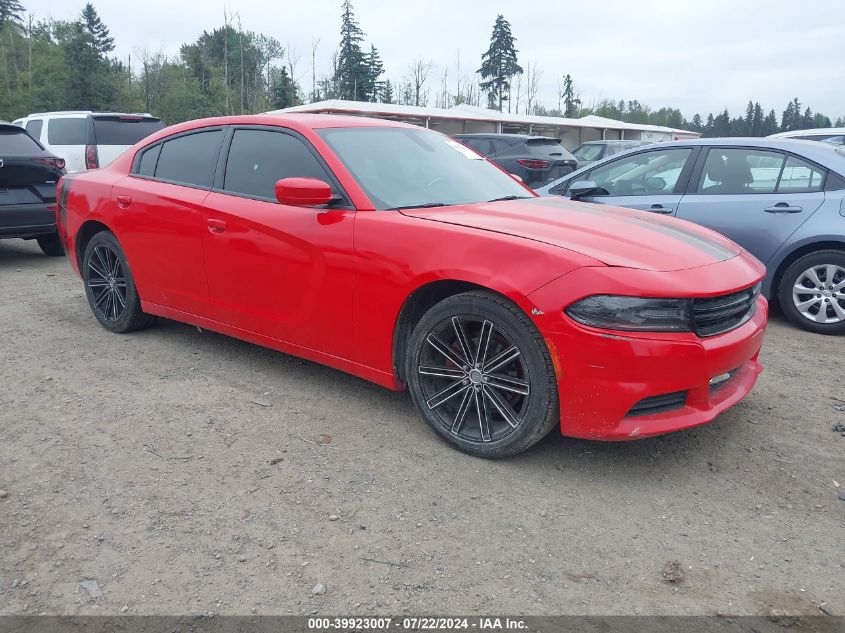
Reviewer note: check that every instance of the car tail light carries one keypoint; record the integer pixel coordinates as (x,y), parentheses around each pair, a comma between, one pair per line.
(534,163)
(92,161)
(58,163)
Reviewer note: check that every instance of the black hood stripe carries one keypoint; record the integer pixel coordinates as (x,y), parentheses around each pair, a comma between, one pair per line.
(689,237)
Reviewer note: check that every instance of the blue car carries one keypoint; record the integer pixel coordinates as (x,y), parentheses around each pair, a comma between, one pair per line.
(782,200)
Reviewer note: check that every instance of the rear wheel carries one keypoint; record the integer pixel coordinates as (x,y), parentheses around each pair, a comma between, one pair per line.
(481,375)
(812,292)
(109,286)
(51,245)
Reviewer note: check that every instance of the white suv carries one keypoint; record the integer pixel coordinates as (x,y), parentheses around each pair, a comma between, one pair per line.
(88,140)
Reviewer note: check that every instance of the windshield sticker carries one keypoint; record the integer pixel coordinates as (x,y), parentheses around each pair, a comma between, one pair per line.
(463,149)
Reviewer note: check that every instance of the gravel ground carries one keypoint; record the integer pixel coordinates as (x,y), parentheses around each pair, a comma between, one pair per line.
(188,472)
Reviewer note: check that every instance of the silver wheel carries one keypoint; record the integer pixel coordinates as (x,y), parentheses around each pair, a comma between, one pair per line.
(819,293)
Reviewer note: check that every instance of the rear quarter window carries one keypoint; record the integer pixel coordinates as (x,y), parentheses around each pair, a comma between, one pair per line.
(34,127)
(66,131)
(190,159)
(124,130)
(17,141)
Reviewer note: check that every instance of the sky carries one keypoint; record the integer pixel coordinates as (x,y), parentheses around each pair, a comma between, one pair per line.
(698,56)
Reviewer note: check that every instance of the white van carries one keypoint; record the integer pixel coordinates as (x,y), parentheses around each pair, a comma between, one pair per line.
(835,135)
(88,140)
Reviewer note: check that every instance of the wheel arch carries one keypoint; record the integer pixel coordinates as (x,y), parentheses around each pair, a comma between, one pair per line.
(86,231)
(422,299)
(795,254)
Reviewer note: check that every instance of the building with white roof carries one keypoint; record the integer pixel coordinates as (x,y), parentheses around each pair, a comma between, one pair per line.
(468,119)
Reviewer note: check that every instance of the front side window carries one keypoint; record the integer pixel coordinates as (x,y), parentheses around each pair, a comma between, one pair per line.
(258,158)
(735,171)
(190,159)
(66,131)
(401,167)
(34,127)
(647,173)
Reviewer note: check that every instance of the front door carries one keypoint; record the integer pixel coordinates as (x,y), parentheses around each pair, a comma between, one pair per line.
(756,197)
(650,180)
(278,270)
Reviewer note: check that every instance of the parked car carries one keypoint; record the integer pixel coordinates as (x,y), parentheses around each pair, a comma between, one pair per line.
(783,200)
(401,256)
(835,135)
(88,140)
(593,151)
(537,160)
(28,177)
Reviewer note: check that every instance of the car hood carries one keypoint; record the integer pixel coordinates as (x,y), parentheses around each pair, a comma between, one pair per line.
(612,235)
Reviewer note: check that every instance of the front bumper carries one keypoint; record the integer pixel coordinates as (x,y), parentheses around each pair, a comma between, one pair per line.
(612,373)
(27,220)
(602,375)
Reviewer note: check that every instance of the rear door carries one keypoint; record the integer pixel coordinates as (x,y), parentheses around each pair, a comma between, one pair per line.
(66,136)
(114,134)
(757,197)
(651,180)
(159,216)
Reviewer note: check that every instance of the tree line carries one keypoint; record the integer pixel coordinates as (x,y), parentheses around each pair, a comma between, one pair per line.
(70,64)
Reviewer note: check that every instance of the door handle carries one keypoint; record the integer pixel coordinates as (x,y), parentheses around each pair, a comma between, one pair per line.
(123,201)
(659,208)
(216,226)
(783,207)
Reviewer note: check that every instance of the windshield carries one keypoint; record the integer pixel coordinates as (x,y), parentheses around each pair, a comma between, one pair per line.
(124,130)
(588,152)
(401,167)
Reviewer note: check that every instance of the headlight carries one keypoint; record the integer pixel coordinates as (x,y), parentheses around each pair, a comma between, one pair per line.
(632,313)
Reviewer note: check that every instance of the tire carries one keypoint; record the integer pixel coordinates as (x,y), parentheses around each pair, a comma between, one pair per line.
(822,308)
(109,286)
(482,408)
(51,245)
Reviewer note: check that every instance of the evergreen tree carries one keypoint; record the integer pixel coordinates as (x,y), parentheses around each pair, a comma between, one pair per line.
(757,120)
(820,120)
(571,103)
(708,127)
(807,119)
(770,124)
(722,124)
(284,92)
(83,63)
(387,94)
(696,125)
(11,11)
(372,88)
(791,119)
(101,40)
(499,64)
(748,122)
(351,74)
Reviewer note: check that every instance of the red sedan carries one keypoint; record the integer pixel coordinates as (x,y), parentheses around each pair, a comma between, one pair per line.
(398,255)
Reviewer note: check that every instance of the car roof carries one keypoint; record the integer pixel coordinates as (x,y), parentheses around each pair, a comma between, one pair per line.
(818,130)
(76,113)
(521,137)
(616,142)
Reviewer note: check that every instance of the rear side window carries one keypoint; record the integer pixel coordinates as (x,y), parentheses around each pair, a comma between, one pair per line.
(124,130)
(258,158)
(190,159)
(14,140)
(800,176)
(34,127)
(480,145)
(499,145)
(735,171)
(66,131)
(147,164)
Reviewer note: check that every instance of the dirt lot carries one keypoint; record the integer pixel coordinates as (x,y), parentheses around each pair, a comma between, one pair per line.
(150,463)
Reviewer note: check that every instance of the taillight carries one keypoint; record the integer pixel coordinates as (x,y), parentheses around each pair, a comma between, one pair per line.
(92,161)
(57,163)
(534,163)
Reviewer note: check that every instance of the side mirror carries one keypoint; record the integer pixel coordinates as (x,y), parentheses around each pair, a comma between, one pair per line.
(303,192)
(582,189)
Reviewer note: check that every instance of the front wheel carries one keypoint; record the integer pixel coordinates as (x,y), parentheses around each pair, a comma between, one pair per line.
(109,286)
(481,375)
(812,292)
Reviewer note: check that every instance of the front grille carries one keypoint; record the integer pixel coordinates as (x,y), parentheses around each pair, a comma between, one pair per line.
(658,404)
(715,315)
